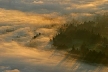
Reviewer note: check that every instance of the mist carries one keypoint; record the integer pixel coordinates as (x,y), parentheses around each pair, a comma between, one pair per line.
(28,26)
(20,53)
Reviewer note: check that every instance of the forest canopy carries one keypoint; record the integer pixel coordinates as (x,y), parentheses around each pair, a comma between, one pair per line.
(88,39)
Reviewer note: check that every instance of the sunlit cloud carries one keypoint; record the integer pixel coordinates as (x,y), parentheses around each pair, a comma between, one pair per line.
(17,58)
(17,17)
(15,70)
(21,20)
(38,2)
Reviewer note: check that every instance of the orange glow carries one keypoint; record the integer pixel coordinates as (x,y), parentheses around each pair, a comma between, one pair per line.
(17,17)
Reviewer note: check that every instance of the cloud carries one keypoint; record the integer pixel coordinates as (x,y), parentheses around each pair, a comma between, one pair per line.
(18,17)
(38,2)
(59,6)
(45,9)
(15,70)
(21,20)
(17,58)
(30,6)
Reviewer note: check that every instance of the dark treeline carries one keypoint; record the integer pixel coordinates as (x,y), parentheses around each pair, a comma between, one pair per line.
(88,40)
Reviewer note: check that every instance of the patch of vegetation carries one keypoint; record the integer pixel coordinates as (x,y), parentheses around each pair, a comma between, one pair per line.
(88,40)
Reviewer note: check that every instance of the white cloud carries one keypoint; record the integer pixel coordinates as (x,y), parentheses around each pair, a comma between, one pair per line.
(38,2)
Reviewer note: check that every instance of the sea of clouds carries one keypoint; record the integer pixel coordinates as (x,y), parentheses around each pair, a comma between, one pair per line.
(21,20)
(20,53)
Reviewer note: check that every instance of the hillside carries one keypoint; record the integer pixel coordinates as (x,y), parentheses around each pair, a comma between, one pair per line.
(88,40)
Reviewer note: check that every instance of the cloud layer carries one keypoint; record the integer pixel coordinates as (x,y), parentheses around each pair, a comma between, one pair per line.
(18,17)
(59,6)
(17,58)
(54,8)
(20,20)
(20,53)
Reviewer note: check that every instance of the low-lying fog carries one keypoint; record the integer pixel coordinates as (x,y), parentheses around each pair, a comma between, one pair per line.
(19,52)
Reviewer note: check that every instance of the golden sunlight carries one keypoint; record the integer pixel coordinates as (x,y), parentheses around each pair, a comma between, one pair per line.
(18,17)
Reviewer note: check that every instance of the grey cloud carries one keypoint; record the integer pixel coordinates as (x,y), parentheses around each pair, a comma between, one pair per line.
(59,6)
(103,6)
(30,7)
